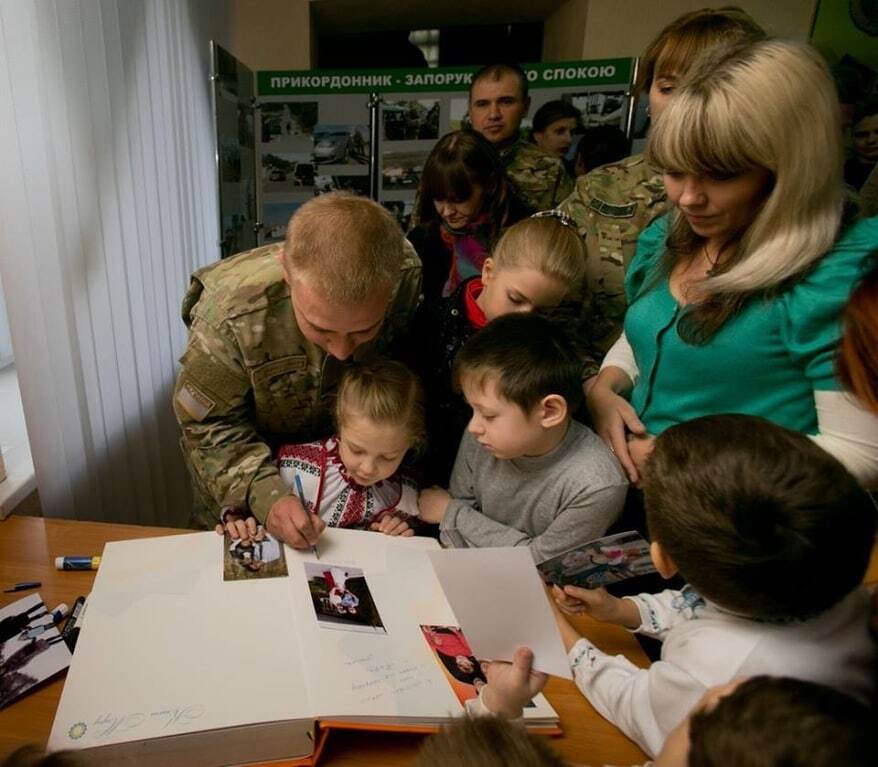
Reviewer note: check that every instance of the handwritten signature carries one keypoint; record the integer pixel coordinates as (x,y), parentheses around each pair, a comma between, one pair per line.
(107,724)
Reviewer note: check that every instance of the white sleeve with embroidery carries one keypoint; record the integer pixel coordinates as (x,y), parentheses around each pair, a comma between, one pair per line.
(659,613)
(646,704)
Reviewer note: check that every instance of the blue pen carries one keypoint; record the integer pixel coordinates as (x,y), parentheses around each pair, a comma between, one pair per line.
(23,586)
(301,493)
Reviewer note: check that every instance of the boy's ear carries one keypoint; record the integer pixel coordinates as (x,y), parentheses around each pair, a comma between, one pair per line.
(487,270)
(666,566)
(553,410)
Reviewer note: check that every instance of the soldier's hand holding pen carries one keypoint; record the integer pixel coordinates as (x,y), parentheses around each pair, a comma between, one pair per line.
(289,522)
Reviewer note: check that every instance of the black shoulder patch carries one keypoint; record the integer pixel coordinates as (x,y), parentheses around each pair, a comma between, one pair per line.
(612,211)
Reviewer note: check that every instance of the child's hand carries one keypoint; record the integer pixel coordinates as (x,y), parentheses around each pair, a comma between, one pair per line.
(432,504)
(238,524)
(393,524)
(599,604)
(512,685)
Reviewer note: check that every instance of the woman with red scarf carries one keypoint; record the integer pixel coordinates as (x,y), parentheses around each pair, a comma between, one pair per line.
(464,204)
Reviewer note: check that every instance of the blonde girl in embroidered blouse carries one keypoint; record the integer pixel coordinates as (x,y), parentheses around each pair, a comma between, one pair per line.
(735,296)
(352,479)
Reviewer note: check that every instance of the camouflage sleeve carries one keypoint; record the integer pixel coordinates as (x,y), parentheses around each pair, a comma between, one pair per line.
(213,404)
(576,203)
(564,188)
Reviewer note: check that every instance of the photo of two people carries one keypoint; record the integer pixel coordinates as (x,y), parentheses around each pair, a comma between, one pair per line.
(262,556)
(341,598)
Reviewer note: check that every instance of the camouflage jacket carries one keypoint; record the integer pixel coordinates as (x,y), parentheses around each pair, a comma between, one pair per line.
(540,179)
(250,380)
(611,206)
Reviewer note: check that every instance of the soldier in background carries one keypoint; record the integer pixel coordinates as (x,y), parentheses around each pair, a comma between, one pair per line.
(498,102)
(269,331)
(612,204)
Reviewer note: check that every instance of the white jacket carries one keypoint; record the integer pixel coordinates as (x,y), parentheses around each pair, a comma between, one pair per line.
(704,646)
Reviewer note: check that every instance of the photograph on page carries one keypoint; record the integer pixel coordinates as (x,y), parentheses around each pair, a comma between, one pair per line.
(598,563)
(341,598)
(262,556)
(31,649)
(456,659)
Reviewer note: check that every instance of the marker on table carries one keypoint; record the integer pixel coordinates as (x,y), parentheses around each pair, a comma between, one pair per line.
(70,632)
(301,493)
(77,563)
(23,586)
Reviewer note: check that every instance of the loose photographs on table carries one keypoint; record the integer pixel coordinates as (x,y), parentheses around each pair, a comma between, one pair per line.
(262,556)
(600,562)
(31,649)
(456,659)
(341,598)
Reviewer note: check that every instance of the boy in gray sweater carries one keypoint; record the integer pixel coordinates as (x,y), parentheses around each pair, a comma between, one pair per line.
(526,473)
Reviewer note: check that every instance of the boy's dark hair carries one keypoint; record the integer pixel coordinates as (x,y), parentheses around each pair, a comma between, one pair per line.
(487,741)
(768,721)
(496,71)
(757,518)
(530,356)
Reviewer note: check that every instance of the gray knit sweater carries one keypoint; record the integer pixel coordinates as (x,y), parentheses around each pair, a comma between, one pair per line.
(552,502)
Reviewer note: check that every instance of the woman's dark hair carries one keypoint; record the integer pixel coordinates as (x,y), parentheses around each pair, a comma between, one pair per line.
(461,161)
(600,145)
(552,111)
(863,110)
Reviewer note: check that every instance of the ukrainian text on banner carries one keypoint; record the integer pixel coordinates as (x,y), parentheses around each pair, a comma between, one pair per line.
(324,81)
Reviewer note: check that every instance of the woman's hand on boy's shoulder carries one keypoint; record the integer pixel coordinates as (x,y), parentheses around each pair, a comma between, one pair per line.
(432,504)
(640,447)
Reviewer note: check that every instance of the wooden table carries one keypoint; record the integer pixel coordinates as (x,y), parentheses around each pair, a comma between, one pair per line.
(29,545)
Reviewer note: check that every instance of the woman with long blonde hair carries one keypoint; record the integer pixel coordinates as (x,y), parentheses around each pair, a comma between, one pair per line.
(735,295)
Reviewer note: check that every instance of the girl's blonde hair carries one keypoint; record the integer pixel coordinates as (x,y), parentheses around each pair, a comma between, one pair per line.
(384,391)
(772,105)
(546,243)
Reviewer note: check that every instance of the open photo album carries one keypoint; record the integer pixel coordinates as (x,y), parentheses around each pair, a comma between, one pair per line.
(178,663)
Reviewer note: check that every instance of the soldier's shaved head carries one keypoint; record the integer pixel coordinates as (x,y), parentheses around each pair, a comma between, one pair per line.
(348,246)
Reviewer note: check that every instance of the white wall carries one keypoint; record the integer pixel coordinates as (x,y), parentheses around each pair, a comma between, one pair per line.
(107,203)
(5,335)
(595,29)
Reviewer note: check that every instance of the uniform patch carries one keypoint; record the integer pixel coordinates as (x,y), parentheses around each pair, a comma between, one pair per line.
(194,401)
(291,364)
(612,211)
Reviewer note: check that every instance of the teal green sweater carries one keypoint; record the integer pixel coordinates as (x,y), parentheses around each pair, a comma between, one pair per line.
(768,360)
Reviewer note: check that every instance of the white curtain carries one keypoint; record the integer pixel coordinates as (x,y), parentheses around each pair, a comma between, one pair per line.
(107,203)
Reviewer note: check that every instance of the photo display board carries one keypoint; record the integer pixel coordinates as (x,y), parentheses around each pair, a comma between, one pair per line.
(236,158)
(313,126)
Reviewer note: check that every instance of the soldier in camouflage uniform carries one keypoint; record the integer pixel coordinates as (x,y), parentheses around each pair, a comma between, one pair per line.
(540,179)
(498,102)
(269,336)
(613,204)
